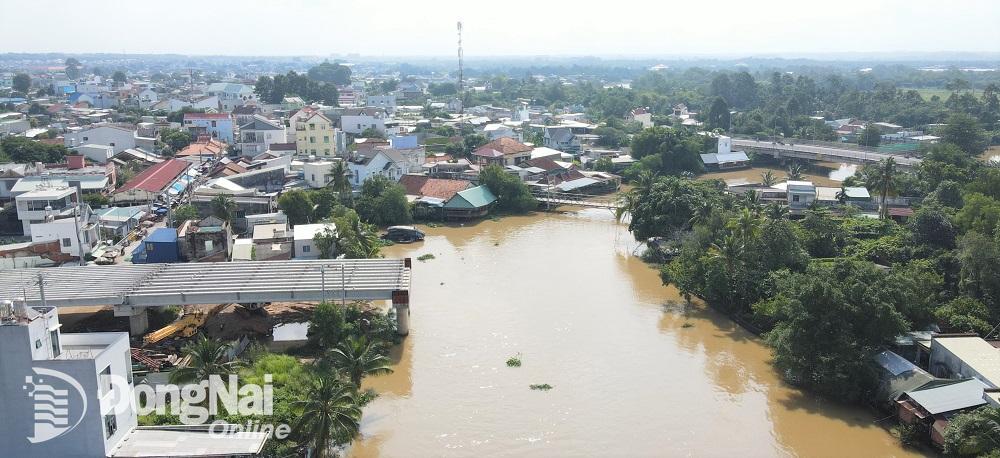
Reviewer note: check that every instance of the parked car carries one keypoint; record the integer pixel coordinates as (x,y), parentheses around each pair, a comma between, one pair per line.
(403,234)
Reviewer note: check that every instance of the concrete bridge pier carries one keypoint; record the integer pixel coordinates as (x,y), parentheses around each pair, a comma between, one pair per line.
(138,318)
(401,302)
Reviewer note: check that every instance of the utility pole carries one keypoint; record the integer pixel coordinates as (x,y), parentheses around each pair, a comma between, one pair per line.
(461,76)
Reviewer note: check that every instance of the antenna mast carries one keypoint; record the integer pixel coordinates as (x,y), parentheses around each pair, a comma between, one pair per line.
(460,70)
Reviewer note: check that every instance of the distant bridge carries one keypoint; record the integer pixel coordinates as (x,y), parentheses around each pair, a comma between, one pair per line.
(553,199)
(831,152)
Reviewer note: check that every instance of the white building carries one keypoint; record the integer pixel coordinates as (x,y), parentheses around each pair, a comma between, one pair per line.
(388,162)
(116,137)
(231,95)
(357,120)
(36,206)
(642,116)
(100,154)
(801,194)
(43,369)
(305,235)
(318,173)
(259,134)
(386,102)
(77,234)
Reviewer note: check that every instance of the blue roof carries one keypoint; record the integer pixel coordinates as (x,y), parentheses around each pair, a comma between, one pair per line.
(163,234)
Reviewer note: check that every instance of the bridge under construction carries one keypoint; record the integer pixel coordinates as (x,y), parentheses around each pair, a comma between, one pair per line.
(132,288)
(555,199)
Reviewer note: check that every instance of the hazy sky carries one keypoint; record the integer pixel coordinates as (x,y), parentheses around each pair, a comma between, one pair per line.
(506,27)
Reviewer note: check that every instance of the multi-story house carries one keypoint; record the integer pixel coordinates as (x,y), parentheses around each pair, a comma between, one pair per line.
(316,136)
(217,125)
(357,120)
(259,134)
(231,95)
(116,137)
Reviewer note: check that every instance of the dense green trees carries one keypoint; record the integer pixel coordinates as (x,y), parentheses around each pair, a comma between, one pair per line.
(870,136)
(965,132)
(21,83)
(185,212)
(331,73)
(25,151)
(383,202)
(274,90)
(73,67)
(176,139)
(668,151)
(975,433)
(511,193)
(829,320)
(298,205)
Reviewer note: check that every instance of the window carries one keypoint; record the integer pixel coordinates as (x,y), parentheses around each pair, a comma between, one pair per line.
(213,124)
(795,198)
(66,242)
(38,344)
(326,139)
(85,139)
(105,380)
(110,425)
(54,340)
(112,144)
(209,245)
(128,370)
(312,126)
(306,248)
(312,139)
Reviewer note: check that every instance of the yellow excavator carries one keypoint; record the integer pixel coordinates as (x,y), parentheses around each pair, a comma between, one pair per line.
(185,326)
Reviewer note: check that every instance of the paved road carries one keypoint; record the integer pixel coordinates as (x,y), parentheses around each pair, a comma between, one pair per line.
(832,152)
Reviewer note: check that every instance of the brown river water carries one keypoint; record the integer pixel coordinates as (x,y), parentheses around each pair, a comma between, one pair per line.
(635,371)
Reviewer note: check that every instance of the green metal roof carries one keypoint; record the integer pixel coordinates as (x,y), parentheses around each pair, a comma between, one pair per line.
(477,197)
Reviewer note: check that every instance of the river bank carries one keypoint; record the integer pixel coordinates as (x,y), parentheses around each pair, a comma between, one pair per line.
(635,370)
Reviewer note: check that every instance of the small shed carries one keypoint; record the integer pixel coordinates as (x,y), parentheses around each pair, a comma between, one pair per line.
(470,202)
(161,246)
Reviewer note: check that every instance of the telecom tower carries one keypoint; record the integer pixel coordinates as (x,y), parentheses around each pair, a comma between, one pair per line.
(460,75)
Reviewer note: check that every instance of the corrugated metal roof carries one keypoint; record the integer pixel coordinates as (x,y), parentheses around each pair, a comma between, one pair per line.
(947,398)
(477,197)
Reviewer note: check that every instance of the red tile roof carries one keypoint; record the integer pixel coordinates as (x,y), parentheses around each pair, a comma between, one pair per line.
(419,185)
(157,177)
(502,147)
(203,147)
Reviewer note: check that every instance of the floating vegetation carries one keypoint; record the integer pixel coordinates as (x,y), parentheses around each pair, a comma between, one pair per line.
(425,257)
(433,224)
(687,325)
(496,243)
(514,361)
(543,387)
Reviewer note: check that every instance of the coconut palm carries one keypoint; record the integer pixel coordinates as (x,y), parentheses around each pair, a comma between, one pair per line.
(627,204)
(842,196)
(882,178)
(702,212)
(729,249)
(223,207)
(207,357)
(329,409)
(644,182)
(768,179)
(796,171)
(747,226)
(339,184)
(357,358)
(751,201)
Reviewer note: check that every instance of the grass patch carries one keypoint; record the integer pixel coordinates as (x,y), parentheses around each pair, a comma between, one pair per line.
(541,387)
(514,361)
(425,257)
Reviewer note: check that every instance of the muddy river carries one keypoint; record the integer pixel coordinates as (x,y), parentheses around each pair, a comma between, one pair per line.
(634,371)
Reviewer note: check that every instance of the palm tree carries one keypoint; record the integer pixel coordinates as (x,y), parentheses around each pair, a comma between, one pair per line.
(796,171)
(751,201)
(883,180)
(644,182)
(223,207)
(329,409)
(340,185)
(627,205)
(702,211)
(776,211)
(842,196)
(768,179)
(729,249)
(357,357)
(207,357)
(747,226)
